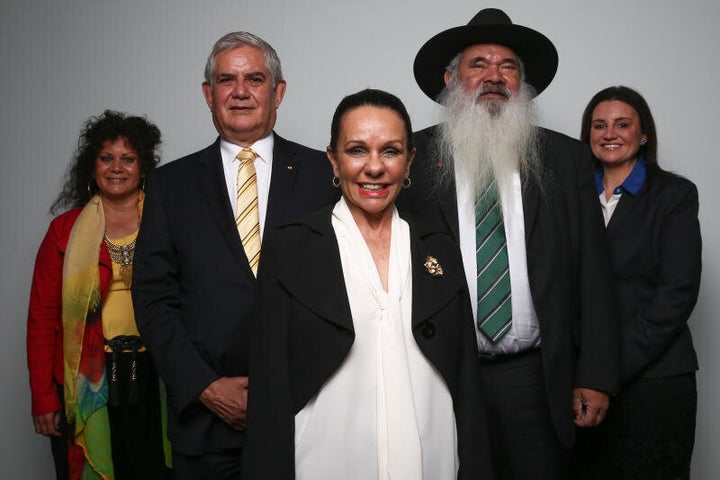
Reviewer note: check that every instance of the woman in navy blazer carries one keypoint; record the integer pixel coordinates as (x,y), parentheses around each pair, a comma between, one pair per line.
(655,247)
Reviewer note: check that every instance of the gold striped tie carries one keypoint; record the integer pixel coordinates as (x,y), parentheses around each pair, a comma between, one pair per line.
(247,218)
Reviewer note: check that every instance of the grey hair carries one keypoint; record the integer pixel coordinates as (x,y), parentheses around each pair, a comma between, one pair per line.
(454,64)
(242,39)
(452,67)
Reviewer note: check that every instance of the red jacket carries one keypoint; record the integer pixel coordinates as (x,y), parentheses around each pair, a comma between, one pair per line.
(44,325)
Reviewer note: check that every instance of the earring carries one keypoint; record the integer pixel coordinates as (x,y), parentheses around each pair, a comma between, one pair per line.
(643,141)
(336,182)
(142,184)
(406,183)
(89,190)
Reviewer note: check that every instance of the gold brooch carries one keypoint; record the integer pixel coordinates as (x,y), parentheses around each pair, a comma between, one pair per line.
(433,267)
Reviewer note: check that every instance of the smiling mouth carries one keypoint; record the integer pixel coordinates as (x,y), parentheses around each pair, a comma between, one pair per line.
(373,189)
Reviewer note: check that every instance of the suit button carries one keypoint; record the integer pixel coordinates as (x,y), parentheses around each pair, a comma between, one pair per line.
(428,330)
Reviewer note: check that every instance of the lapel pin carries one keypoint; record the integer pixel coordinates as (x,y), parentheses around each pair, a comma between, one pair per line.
(433,267)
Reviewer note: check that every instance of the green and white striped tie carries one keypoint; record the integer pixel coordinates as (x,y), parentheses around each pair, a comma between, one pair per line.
(494,313)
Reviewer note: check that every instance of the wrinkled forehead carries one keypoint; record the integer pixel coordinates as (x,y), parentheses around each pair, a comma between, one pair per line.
(241,56)
(489,49)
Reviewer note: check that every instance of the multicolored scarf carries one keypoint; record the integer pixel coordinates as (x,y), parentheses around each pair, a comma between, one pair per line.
(85,382)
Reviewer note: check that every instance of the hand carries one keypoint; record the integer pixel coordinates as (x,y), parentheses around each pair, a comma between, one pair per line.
(47,424)
(590,407)
(227,398)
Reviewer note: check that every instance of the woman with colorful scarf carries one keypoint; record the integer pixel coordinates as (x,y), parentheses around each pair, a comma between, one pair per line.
(95,392)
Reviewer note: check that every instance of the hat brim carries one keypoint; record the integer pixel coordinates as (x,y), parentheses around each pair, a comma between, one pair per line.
(536,51)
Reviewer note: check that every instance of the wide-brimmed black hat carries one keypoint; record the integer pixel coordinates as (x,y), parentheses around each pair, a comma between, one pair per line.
(490,25)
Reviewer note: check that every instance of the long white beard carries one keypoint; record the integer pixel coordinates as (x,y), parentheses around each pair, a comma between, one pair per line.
(489,140)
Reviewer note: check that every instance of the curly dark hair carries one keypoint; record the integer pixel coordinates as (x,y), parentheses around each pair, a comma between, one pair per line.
(79,185)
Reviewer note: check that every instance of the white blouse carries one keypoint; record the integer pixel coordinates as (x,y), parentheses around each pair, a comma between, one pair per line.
(386,413)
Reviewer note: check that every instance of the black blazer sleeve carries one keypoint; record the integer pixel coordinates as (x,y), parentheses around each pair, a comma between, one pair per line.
(157,299)
(658,287)
(301,332)
(597,364)
(270,453)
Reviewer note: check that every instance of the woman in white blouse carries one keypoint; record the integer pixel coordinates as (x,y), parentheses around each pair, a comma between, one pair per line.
(363,358)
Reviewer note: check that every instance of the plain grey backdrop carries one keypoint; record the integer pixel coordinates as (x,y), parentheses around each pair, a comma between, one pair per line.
(62,61)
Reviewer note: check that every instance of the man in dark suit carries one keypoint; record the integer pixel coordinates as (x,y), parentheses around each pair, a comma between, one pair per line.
(519,201)
(194,276)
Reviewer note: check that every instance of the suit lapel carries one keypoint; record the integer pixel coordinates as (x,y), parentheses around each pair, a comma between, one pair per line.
(531,197)
(314,277)
(212,183)
(282,181)
(531,202)
(446,199)
(449,209)
(432,292)
(623,211)
(320,285)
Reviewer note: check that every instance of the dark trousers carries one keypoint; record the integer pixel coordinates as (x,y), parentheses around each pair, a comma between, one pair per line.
(523,441)
(210,466)
(59,444)
(135,430)
(649,433)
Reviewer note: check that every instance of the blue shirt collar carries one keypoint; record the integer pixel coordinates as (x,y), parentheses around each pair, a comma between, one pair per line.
(632,184)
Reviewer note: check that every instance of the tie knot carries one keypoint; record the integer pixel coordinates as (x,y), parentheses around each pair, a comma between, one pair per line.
(246,155)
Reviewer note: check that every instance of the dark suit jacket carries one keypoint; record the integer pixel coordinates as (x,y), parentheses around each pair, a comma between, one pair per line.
(304,331)
(568,265)
(655,247)
(193,289)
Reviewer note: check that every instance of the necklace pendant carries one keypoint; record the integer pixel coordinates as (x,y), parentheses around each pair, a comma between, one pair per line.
(126,274)
(123,256)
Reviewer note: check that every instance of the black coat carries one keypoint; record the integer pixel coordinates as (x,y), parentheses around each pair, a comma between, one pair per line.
(655,247)
(304,331)
(193,289)
(568,265)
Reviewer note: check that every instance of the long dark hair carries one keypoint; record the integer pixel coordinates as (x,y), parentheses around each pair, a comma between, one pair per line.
(647,124)
(79,185)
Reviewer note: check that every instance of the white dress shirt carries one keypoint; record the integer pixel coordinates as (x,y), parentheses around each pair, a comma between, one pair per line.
(524,332)
(263,169)
(608,205)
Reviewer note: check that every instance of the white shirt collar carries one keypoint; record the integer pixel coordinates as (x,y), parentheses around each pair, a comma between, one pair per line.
(263,148)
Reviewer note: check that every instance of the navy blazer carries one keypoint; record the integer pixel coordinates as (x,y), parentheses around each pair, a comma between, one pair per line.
(568,265)
(655,247)
(193,289)
(303,331)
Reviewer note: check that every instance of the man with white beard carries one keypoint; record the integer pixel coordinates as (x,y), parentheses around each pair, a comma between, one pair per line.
(521,204)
